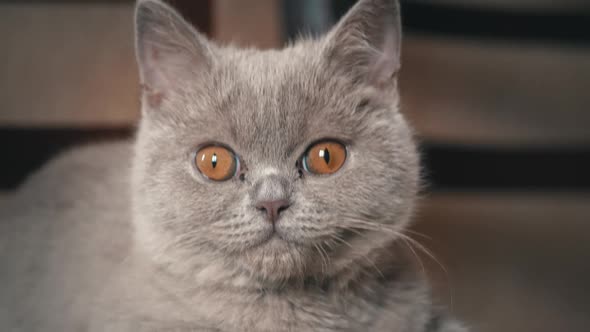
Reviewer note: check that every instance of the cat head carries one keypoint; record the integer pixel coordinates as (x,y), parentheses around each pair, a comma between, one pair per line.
(279,163)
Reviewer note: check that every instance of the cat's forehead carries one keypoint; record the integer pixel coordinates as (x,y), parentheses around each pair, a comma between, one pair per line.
(271,101)
(269,78)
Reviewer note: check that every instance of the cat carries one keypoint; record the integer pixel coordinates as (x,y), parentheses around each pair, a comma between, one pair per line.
(264,191)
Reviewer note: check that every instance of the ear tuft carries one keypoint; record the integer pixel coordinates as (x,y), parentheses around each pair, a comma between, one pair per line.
(367,42)
(169,51)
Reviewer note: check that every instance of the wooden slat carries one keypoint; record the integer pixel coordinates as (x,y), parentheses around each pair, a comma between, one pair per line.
(513,262)
(70,64)
(461,91)
(67,65)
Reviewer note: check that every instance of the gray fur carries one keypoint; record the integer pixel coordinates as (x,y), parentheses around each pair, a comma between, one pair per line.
(94,244)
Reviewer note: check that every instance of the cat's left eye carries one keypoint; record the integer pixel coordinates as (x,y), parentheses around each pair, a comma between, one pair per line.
(323,158)
(217,163)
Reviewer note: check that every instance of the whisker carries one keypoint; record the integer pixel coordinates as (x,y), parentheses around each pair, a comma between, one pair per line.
(336,237)
(408,241)
(418,234)
(414,253)
(324,263)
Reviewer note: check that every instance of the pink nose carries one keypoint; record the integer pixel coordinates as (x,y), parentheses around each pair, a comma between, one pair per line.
(273,208)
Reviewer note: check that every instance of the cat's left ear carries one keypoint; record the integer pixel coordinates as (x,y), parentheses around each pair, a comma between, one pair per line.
(366,43)
(170,52)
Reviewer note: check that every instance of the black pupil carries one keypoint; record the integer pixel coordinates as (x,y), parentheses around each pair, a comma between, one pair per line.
(327,156)
(214,160)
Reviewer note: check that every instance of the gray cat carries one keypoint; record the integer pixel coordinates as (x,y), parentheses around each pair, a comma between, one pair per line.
(266,191)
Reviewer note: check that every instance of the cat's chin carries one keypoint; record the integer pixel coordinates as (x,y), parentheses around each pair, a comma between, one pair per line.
(275,259)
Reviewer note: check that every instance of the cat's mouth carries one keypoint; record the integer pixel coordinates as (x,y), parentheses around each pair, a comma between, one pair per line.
(275,240)
(273,237)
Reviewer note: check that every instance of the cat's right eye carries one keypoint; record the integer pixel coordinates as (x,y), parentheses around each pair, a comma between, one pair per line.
(217,163)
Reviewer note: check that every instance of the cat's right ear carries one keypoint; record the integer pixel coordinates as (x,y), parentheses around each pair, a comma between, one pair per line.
(170,52)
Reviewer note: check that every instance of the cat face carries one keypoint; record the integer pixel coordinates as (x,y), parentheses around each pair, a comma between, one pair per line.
(281,164)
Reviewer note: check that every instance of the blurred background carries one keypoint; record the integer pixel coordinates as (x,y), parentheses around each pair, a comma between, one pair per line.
(498,91)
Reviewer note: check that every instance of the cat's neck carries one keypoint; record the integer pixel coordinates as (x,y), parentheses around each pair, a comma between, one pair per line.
(226,289)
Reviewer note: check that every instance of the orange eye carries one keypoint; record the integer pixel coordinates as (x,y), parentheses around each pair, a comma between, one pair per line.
(217,163)
(325,157)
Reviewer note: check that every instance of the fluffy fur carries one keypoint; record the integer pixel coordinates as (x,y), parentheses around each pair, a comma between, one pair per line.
(120,238)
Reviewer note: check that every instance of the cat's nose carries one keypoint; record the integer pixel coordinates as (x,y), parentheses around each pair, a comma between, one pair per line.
(273,209)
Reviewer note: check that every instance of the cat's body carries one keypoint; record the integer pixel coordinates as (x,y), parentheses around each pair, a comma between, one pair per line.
(62,236)
(136,238)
